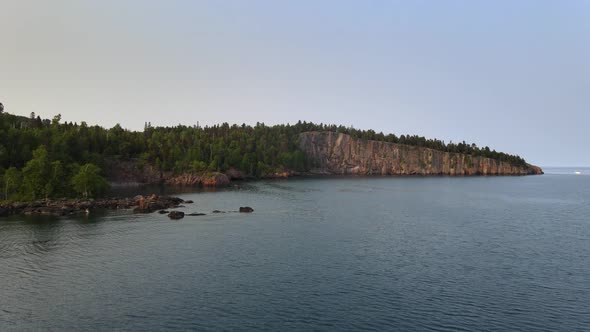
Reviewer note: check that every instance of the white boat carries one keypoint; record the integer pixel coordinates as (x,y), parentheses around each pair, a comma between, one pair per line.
(578,172)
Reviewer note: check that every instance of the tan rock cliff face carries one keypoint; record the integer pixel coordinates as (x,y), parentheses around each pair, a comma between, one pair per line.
(340,154)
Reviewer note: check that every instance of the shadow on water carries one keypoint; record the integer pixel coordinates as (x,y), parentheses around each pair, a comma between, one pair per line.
(36,235)
(131,190)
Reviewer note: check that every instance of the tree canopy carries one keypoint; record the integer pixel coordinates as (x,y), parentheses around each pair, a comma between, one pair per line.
(88,181)
(45,151)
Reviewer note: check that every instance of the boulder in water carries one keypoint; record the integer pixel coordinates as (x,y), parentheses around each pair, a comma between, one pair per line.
(175,215)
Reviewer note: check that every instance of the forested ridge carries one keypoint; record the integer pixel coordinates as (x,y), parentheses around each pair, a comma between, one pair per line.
(42,158)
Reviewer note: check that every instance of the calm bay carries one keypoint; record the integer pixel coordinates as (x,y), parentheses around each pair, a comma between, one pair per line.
(343,253)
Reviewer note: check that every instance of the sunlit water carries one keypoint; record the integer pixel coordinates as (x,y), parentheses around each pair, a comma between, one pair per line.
(433,254)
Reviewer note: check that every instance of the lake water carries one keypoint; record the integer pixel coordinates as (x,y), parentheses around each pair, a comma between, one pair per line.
(332,254)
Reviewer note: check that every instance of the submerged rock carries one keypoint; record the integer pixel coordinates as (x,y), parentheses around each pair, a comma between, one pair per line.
(196,214)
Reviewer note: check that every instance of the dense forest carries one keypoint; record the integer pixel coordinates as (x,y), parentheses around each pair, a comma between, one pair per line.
(42,158)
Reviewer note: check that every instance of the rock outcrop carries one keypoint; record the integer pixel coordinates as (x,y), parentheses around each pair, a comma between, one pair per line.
(152,203)
(206,180)
(135,171)
(64,207)
(339,154)
(175,215)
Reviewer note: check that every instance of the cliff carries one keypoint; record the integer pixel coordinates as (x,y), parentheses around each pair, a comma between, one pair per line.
(340,154)
(329,153)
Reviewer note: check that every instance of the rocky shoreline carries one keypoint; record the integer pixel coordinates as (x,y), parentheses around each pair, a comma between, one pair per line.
(66,207)
(330,153)
(135,173)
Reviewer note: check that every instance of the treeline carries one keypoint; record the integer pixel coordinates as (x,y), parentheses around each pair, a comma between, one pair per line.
(35,163)
(42,151)
(421,141)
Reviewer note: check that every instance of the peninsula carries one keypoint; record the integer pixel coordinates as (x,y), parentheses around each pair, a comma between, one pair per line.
(51,159)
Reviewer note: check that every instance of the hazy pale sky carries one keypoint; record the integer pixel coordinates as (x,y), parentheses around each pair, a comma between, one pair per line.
(513,75)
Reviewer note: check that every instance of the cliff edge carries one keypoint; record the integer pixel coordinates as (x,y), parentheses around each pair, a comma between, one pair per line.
(340,154)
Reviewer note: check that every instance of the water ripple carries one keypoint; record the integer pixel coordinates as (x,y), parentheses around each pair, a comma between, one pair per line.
(372,254)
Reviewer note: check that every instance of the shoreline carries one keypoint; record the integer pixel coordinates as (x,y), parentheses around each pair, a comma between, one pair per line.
(153,202)
(137,205)
(303,175)
(66,207)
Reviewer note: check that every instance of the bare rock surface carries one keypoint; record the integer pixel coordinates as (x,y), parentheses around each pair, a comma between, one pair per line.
(175,215)
(63,207)
(339,154)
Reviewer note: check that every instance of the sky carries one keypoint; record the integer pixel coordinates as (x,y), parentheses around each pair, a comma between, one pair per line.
(511,75)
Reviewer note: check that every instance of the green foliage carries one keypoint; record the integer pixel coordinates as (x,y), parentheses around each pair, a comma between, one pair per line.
(263,169)
(48,150)
(199,166)
(214,165)
(11,181)
(56,185)
(88,182)
(36,174)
